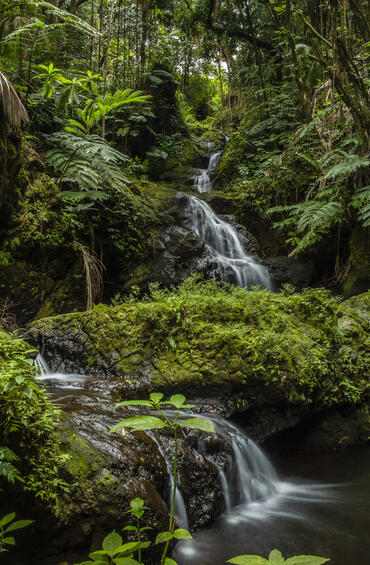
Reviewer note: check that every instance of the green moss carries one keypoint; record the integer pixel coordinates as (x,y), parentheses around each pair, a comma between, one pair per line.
(299,347)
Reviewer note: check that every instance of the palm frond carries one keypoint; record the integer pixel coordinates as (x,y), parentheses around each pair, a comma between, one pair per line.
(11,106)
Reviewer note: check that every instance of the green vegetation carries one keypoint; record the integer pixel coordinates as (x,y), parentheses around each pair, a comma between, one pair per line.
(106,108)
(293,345)
(29,453)
(275,558)
(8,524)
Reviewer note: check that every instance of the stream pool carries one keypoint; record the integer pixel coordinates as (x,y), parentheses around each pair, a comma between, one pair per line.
(327,514)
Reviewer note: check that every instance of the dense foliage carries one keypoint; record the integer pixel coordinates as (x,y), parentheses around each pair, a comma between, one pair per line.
(29,451)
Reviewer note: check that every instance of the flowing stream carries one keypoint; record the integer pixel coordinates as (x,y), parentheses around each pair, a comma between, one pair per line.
(230,262)
(318,505)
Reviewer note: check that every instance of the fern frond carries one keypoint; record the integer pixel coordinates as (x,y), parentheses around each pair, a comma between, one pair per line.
(7,469)
(319,216)
(350,164)
(84,194)
(361,201)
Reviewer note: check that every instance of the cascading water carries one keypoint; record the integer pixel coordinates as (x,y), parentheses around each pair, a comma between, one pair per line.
(230,263)
(262,511)
(202,178)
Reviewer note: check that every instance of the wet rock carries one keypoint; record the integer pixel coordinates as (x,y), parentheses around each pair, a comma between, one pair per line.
(299,273)
(274,358)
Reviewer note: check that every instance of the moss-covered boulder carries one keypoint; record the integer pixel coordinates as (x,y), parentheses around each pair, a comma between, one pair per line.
(276,357)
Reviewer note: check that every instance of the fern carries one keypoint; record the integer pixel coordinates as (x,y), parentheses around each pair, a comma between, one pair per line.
(349,165)
(311,220)
(361,201)
(89,162)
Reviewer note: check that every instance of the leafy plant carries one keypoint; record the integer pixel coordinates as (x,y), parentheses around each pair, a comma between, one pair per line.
(113,551)
(276,558)
(116,552)
(8,525)
(7,469)
(27,425)
(149,422)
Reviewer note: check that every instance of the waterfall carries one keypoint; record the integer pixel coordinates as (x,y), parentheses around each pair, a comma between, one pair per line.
(43,368)
(180,512)
(202,178)
(250,477)
(60,380)
(230,263)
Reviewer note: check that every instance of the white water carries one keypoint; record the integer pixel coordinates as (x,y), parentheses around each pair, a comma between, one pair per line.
(62,380)
(202,178)
(254,495)
(230,263)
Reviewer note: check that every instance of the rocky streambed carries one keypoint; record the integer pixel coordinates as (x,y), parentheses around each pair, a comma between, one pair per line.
(288,367)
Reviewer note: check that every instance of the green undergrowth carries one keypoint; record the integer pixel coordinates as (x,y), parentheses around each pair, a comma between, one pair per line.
(304,347)
(28,424)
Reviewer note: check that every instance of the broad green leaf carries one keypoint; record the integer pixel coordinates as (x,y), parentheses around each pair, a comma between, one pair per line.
(18,525)
(101,555)
(275,558)
(137,504)
(169,561)
(134,403)
(306,560)
(112,541)
(156,397)
(177,400)
(7,518)
(162,537)
(180,533)
(128,548)
(9,540)
(141,423)
(198,424)
(248,560)
(95,562)
(125,561)
(129,529)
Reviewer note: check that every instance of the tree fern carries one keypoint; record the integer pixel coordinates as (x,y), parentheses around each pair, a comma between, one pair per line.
(361,201)
(349,164)
(88,162)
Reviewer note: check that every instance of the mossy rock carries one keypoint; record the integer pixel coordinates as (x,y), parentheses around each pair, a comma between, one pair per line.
(306,351)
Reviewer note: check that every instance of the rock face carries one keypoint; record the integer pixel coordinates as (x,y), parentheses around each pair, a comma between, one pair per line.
(276,358)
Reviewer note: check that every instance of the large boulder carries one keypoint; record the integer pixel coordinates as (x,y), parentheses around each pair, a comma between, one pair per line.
(277,358)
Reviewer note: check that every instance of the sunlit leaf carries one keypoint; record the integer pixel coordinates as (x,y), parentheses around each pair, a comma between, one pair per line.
(141,423)
(180,533)
(198,424)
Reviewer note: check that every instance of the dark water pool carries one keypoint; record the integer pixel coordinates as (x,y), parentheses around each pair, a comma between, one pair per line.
(322,508)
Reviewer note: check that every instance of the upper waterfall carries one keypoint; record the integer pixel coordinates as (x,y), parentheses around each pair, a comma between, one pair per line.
(230,263)
(202,178)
